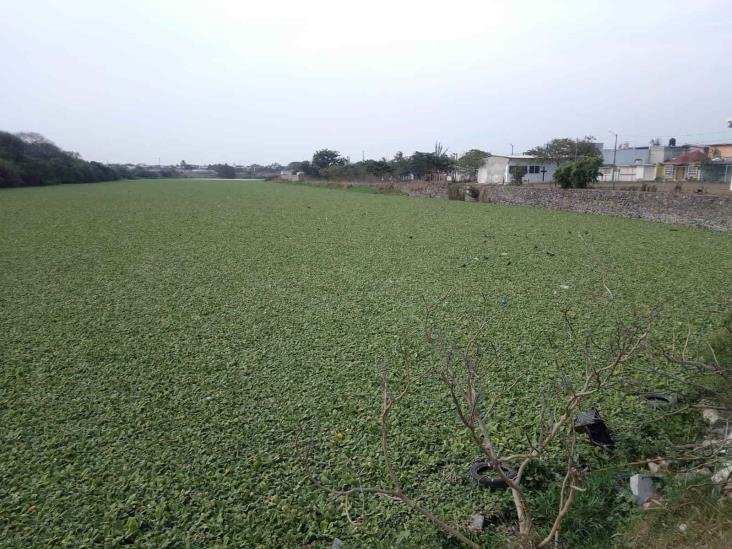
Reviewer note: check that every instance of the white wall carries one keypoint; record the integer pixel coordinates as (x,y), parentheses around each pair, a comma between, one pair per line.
(495,170)
(640,172)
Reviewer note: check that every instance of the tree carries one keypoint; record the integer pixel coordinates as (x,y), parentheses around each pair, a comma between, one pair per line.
(9,176)
(565,149)
(325,158)
(431,164)
(577,174)
(400,165)
(377,168)
(224,171)
(470,162)
(420,164)
(28,158)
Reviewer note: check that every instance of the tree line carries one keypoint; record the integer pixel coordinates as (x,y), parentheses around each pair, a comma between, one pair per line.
(579,161)
(31,159)
(436,164)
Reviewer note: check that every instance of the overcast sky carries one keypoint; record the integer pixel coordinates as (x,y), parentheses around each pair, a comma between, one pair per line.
(271,81)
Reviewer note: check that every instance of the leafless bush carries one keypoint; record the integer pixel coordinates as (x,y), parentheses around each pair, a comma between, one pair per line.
(459,369)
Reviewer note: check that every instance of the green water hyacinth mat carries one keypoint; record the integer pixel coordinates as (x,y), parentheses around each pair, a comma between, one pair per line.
(166,348)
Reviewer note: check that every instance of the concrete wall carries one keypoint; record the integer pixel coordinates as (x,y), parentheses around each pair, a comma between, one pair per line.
(713,212)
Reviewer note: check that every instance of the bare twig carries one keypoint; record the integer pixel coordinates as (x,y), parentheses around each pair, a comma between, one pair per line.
(396,491)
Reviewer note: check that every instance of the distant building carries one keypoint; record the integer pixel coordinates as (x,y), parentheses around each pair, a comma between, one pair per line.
(685,167)
(719,167)
(504,169)
(637,163)
(720,151)
(290,175)
(705,163)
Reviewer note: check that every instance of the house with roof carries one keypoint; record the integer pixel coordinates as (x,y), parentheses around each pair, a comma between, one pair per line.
(500,169)
(637,163)
(701,163)
(685,167)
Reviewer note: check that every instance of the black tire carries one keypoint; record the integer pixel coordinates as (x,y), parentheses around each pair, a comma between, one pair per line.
(485,475)
(659,399)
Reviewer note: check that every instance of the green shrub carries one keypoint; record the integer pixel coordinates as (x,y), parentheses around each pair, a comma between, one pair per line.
(517,174)
(578,174)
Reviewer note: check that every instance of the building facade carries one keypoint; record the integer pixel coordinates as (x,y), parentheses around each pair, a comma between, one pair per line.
(521,168)
(637,163)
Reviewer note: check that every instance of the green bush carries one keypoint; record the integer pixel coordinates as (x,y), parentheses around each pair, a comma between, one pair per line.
(517,174)
(578,174)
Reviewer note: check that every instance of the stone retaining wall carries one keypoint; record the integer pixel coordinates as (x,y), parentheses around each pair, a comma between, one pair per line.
(713,212)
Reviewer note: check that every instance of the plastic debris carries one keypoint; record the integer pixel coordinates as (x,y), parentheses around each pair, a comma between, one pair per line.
(593,425)
(642,488)
(723,475)
(477,523)
(711,416)
(655,467)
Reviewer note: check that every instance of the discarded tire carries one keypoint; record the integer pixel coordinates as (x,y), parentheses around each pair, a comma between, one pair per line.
(483,473)
(659,399)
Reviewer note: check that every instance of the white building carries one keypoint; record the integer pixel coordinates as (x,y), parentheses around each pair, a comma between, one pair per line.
(291,175)
(505,169)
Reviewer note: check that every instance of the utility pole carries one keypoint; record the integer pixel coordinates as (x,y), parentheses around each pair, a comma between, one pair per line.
(511,148)
(615,155)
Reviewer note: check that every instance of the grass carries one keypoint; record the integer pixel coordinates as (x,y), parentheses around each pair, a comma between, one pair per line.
(166,344)
(689,518)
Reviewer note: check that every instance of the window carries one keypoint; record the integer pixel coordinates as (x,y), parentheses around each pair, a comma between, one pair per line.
(692,172)
(668,171)
(534,169)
